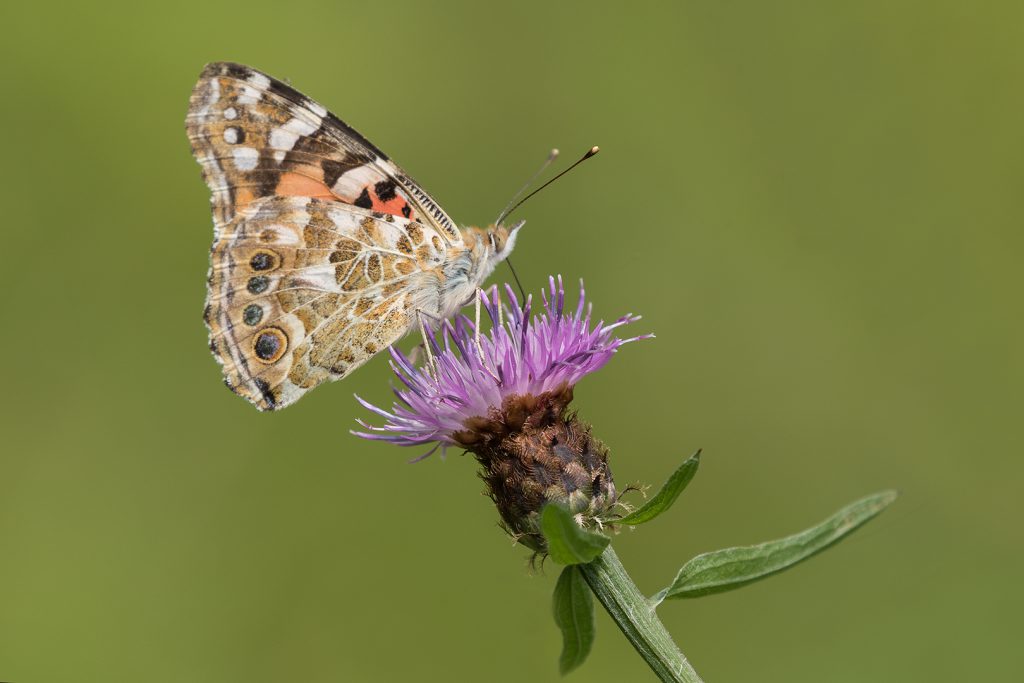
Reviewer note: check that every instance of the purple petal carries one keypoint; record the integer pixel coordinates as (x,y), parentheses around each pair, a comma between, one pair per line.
(527,355)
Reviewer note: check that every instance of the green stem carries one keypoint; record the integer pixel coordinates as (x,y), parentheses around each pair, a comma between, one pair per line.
(636,617)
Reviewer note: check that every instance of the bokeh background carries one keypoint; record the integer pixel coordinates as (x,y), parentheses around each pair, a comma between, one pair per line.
(817,208)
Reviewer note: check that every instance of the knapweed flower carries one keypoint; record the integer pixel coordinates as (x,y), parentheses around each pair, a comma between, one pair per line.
(504,397)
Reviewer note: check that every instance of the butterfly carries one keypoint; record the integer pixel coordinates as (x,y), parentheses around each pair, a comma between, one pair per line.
(324,251)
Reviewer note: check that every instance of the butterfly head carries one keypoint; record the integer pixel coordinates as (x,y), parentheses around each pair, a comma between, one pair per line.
(487,247)
(484,249)
(502,239)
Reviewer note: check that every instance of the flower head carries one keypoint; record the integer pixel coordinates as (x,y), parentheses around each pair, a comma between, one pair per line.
(504,396)
(474,373)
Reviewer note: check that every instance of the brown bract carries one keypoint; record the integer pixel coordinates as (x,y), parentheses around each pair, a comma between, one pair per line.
(534,451)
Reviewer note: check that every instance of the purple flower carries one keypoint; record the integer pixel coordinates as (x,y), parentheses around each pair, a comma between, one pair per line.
(474,376)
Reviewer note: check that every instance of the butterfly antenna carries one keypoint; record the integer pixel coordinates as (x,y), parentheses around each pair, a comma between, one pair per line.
(504,212)
(547,162)
(590,152)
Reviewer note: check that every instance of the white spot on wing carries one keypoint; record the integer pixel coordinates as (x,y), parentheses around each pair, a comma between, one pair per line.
(231,113)
(282,139)
(246,158)
(285,137)
(250,95)
(257,85)
(316,108)
(259,81)
(231,135)
(351,183)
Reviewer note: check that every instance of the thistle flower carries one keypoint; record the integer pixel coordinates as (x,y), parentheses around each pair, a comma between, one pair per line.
(504,397)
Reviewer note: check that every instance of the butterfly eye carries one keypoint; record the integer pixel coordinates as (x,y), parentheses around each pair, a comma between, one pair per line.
(498,240)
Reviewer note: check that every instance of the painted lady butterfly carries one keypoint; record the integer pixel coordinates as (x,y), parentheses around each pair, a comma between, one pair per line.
(324,251)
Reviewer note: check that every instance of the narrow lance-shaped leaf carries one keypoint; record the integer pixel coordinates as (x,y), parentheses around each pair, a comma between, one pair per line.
(568,542)
(664,499)
(724,570)
(573,606)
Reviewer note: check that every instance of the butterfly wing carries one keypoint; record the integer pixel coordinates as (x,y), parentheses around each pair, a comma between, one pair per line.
(324,249)
(304,290)
(256,137)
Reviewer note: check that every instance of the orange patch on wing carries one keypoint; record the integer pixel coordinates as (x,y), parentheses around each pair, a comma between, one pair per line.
(303,183)
(392,206)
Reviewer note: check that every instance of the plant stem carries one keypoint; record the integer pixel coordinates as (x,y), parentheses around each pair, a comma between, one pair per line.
(636,617)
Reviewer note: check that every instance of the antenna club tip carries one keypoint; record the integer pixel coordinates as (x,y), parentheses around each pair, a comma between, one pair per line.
(593,150)
(554,153)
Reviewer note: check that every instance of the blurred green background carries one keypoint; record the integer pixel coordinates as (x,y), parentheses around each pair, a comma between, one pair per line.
(817,208)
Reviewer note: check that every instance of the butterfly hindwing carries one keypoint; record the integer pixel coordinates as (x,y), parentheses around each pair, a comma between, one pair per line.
(305,290)
(257,137)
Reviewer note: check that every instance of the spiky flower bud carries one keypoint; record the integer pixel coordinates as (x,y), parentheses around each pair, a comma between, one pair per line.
(504,396)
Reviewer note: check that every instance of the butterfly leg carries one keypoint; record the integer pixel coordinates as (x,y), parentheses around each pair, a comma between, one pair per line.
(431,365)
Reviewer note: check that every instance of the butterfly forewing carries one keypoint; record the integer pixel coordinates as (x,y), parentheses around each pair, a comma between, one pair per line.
(257,137)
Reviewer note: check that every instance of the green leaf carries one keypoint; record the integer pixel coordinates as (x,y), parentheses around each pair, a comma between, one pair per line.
(568,542)
(573,606)
(723,570)
(664,499)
